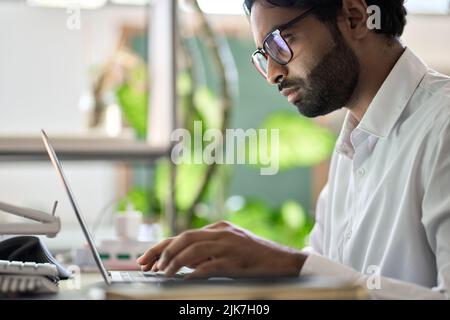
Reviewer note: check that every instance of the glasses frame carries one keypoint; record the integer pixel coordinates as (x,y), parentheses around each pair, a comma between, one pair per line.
(277,32)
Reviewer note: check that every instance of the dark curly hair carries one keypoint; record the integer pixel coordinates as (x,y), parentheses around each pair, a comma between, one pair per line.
(393,17)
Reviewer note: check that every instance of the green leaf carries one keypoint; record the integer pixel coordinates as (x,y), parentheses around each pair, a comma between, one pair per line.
(184,83)
(209,107)
(134,104)
(288,225)
(293,215)
(188,179)
(257,217)
(302,143)
(139,198)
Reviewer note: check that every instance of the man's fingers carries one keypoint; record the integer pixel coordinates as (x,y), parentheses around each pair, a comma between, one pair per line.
(212,268)
(183,241)
(195,254)
(152,254)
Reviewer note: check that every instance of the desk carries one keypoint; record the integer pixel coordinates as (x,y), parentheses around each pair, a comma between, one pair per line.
(92,287)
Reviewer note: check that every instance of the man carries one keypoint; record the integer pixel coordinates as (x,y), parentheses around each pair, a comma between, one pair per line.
(386,207)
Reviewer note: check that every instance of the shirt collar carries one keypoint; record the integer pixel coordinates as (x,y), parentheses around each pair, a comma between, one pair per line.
(389,103)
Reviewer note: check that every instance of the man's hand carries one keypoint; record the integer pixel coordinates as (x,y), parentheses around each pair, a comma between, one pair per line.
(222,249)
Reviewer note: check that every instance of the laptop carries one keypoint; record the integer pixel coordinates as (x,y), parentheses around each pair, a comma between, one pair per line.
(111,276)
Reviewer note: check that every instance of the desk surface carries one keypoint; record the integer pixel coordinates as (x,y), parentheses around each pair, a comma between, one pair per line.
(91,286)
(87,286)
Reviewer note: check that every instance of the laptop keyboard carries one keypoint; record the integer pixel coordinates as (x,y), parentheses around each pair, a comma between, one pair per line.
(149,276)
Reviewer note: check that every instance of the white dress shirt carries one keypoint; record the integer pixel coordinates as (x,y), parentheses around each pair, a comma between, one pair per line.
(386,208)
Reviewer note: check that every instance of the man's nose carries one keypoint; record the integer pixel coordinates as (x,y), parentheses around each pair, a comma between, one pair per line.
(275,72)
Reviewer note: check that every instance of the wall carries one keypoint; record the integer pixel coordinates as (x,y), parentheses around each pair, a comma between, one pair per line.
(44,70)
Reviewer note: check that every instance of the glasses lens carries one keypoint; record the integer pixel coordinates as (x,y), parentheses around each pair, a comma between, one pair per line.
(278,49)
(260,62)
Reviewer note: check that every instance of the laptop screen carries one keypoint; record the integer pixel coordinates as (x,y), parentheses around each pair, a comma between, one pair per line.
(57,165)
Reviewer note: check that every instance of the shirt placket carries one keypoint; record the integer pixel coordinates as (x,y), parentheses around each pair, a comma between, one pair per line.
(359,140)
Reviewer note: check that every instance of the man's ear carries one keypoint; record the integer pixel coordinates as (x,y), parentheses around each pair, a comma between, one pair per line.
(354,17)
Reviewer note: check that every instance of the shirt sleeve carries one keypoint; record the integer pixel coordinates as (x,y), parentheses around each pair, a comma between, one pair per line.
(435,219)
(436,204)
(377,286)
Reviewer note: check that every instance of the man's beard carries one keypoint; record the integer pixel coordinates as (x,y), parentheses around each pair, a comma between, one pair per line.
(330,84)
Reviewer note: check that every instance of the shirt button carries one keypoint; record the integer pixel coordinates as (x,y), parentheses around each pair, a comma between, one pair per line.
(349,235)
(362,172)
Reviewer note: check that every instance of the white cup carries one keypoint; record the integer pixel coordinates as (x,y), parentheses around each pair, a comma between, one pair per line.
(128,224)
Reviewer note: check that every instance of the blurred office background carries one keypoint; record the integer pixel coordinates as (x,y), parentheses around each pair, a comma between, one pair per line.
(51,76)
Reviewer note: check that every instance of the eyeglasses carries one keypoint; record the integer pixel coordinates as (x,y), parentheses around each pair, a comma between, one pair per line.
(276,47)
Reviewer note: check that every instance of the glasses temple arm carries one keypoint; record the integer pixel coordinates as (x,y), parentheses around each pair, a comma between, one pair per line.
(294,21)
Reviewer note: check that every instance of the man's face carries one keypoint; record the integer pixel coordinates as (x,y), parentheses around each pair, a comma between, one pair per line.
(324,71)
